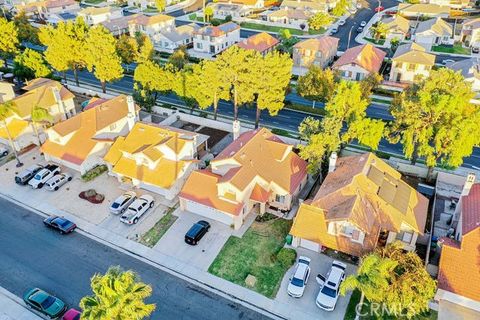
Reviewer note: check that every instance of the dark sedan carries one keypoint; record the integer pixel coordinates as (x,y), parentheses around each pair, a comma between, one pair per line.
(61,224)
(196,232)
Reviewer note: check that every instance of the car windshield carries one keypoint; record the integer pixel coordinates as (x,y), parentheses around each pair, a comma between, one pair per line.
(297,282)
(38,177)
(48,302)
(115,205)
(329,292)
(65,223)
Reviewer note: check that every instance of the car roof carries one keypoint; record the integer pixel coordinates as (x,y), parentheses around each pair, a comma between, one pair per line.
(39,296)
(301,270)
(334,276)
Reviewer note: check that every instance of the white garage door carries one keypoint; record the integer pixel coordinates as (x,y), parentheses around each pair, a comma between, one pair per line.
(208,212)
(310,245)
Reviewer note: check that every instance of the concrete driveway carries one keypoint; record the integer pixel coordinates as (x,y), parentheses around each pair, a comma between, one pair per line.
(200,256)
(320,263)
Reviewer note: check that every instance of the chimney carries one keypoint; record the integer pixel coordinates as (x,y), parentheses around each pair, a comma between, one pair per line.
(236,129)
(468,184)
(132,114)
(61,106)
(332,162)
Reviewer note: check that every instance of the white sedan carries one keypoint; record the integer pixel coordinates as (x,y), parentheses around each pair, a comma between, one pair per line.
(137,209)
(298,282)
(329,286)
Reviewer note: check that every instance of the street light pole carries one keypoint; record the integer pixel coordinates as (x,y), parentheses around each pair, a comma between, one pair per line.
(350,35)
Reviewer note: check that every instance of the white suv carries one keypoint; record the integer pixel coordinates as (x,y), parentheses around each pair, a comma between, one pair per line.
(329,286)
(43,176)
(137,209)
(298,282)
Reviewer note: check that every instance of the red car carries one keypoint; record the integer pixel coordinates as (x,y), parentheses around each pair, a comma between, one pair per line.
(378,9)
(72,314)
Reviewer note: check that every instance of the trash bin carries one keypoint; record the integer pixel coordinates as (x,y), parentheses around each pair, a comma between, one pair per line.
(288,239)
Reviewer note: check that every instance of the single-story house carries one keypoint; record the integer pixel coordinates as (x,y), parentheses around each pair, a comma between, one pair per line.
(423,10)
(433,32)
(398,28)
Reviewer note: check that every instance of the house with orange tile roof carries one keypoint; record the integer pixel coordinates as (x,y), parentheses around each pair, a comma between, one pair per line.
(257,172)
(222,10)
(82,141)
(358,62)
(261,42)
(155,158)
(318,51)
(362,203)
(459,268)
(39,93)
(290,17)
(150,25)
(214,39)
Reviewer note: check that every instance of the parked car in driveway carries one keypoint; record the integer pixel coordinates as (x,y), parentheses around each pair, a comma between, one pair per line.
(72,314)
(121,204)
(43,176)
(137,209)
(58,180)
(298,281)
(3,151)
(329,286)
(60,223)
(26,175)
(44,303)
(196,232)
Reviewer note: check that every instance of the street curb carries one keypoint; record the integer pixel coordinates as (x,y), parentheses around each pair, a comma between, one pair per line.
(157,265)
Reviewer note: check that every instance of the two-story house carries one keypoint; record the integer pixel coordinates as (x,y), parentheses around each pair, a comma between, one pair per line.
(155,158)
(151,25)
(362,203)
(81,142)
(292,18)
(470,70)
(215,39)
(319,52)
(433,32)
(45,9)
(223,10)
(308,6)
(398,28)
(261,42)
(358,62)
(96,15)
(254,4)
(172,38)
(454,4)
(423,10)
(120,25)
(470,33)
(411,63)
(40,93)
(257,172)
(459,269)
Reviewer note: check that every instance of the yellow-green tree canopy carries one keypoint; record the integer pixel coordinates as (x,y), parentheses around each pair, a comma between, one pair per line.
(208,13)
(379,30)
(317,84)
(179,58)
(319,20)
(146,49)
(160,4)
(436,120)
(341,8)
(26,32)
(30,64)
(8,38)
(127,48)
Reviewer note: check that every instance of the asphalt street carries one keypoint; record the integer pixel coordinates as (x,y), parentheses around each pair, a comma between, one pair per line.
(33,256)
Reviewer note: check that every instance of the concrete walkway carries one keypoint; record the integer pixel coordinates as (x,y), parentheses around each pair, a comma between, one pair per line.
(13,308)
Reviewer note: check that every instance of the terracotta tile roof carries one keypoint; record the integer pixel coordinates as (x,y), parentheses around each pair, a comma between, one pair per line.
(313,6)
(15,127)
(298,14)
(413,53)
(259,194)
(322,44)
(423,8)
(59,3)
(366,56)
(244,2)
(162,148)
(144,20)
(471,210)
(366,192)
(82,130)
(216,31)
(95,10)
(260,42)
(459,268)
(40,93)
(472,23)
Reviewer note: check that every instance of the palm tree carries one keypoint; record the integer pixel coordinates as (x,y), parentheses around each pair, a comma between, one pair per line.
(379,30)
(372,278)
(118,295)
(6,111)
(37,115)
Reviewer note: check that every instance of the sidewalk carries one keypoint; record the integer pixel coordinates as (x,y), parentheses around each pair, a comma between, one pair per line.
(13,308)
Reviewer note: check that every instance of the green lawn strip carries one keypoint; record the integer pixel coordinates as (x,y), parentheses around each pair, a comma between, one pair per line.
(380,42)
(350,313)
(94,1)
(152,236)
(457,48)
(380,100)
(255,254)
(257,26)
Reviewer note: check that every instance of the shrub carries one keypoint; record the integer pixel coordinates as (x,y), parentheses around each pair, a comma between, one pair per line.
(94,172)
(193,17)
(286,257)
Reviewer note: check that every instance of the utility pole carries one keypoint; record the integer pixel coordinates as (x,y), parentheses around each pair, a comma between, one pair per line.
(350,35)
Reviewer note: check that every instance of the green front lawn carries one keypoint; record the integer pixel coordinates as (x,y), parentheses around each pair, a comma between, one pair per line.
(152,236)
(456,48)
(94,1)
(262,27)
(255,254)
(379,42)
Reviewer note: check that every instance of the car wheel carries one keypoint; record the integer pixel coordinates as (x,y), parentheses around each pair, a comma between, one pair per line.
(152,204)
(5,153)
(123,210)
(135,221)
(56,188)
(61,232)
(40,185)
(69,179)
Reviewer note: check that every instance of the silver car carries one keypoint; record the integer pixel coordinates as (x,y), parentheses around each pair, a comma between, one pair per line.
(137,209)
(54,183)
(122,202)
(299,280)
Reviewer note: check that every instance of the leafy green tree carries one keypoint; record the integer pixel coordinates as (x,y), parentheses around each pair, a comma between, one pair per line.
(102,56)
(369,83)
(26,32)
(6,110)
(8,39)
(160,4)
(207,85)
(30,64)
(145,52)
(236,64)
(179,58)
(287,41)
(309,127)
(340,8)
(39,116)
(436,120)
(319,20)
(127,48)
(379,30)
(150,79)
(208,13)
(57,53)
(317,84)
(117,295)
(272,74)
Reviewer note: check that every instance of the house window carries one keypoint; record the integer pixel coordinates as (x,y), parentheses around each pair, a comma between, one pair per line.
(411,67)
(407,237)
(347,230)
(307,53)
(113,126)
(199,45)
(279,198)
